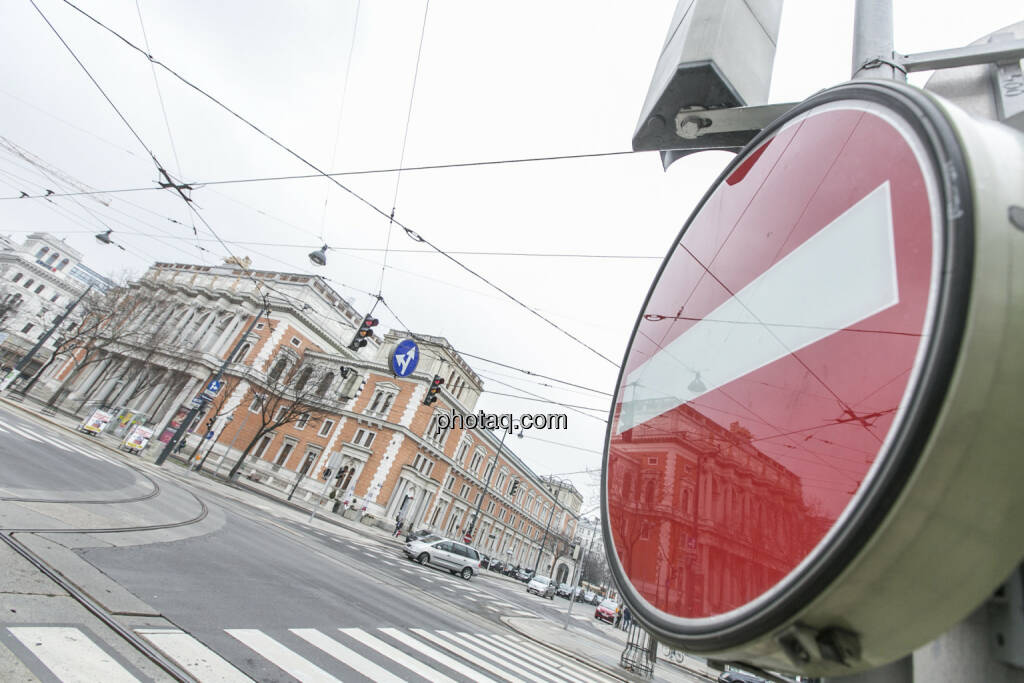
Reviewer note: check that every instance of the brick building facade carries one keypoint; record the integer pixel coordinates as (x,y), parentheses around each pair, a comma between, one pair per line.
(394,460)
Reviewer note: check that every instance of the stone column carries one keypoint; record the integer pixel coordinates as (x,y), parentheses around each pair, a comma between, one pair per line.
(186,317)
(226,336)
(191,384)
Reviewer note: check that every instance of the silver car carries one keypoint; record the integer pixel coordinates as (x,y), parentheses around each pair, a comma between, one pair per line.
(442,552)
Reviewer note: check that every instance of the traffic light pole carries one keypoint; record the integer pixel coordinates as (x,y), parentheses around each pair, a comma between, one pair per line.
(187,422)
(579,577)
(872,40)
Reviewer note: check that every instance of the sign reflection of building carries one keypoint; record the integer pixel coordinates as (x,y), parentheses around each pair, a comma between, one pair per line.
(706,517)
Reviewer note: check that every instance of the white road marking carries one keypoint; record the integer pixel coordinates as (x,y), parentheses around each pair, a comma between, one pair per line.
(283,658)
(345,655)
(842,275)
(71,655)
(436,655)
(537,667)
(199,660)
(460,649)
(396,655)
(527,646)
(25,433)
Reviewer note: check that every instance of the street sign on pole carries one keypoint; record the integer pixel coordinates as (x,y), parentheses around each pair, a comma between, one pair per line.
(405,358)
(811,432)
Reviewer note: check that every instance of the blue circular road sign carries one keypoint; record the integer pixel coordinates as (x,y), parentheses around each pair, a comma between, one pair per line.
(405,358)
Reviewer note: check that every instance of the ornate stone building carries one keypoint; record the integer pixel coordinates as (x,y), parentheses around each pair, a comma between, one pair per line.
(391,454)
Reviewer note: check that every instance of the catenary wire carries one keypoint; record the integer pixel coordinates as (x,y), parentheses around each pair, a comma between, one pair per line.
(409,231)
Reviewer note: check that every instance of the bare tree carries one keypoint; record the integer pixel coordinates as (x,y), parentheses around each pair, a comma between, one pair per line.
(288,397)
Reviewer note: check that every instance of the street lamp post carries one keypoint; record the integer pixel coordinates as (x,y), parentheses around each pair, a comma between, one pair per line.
(487,483)
(213,442)
(561,484)
(576,583)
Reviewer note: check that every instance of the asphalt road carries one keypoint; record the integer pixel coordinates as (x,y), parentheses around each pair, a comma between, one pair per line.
(258,593)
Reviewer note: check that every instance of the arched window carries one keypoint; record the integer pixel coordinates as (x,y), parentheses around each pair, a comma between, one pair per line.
(300,383)
(63,263)
(325,384)
(42,252)
(40,288)
(243,351)
(17,276)
(28,283)
(279,367)
(53,257)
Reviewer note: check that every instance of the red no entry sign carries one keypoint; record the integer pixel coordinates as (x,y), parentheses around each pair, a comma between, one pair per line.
(787,367)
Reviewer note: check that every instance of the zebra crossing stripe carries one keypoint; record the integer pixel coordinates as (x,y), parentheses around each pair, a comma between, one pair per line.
(460,649)
(345,655)
(410,663)
(537,667)
(58,444)
(528,646)
(283,658)
(71,655)
(193,656)
(24,433)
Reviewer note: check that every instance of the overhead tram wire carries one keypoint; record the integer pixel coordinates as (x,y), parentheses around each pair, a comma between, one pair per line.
(163,109)
(342,174)
(160,168)
(341,116)
(409,231)
(405,140)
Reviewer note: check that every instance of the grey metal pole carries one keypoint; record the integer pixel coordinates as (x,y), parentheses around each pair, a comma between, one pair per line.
(576,583)
(872,40)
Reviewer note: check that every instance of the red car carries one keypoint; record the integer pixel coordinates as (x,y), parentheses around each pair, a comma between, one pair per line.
(606,611)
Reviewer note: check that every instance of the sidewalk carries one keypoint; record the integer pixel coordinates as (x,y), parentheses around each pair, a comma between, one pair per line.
(603,652)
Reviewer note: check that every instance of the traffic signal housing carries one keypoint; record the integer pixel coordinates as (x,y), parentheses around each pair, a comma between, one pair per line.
(364,333)
(433,391)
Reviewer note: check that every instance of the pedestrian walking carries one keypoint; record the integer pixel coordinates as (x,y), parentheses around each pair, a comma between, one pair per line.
(627,618)
(181,445)
(398,525)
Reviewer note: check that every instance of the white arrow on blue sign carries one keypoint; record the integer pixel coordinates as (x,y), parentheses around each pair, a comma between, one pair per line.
(405,358)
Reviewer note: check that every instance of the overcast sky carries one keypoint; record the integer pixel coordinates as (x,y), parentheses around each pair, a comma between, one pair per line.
(496,81)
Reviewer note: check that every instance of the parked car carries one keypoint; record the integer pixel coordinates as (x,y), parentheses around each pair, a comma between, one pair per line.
(739,677)
(596,600)
(496,566)
(542,586)
(509,570)
(606,611)
(564,590)
(524,575)
(587,596)
(419,535)
(455,557)
(485,562)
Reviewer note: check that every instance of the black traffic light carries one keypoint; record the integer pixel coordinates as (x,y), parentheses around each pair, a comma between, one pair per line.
(209,424)
(327,473)
(514,488)
(433,391)
(364,333)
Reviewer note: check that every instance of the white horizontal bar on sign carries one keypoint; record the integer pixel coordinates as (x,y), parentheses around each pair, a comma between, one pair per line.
(842,275)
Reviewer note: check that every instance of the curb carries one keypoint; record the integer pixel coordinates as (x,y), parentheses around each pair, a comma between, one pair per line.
(619,675)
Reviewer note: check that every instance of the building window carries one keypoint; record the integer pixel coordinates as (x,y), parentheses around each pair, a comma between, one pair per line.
(243,351)
(474,465)
(364,438)
(62,265)
(460,454)
(380,406)
(278,370)
(435,433)
(325,384)
(17,276)
(27,328)
(28,283)
(500,482)
(302,421)
(464,492)
(281,411)
(295,341)
(256,405)
(449,482)
(42,252)
(53,299)
(423,464)
(282,455)
(40,288)
(490,507)
(326,427)
(259,326)
(304,376)
(258,453)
